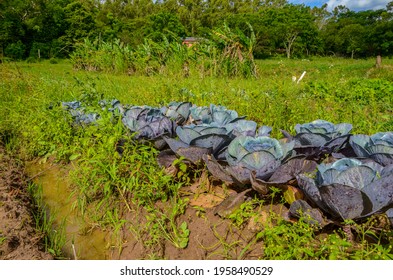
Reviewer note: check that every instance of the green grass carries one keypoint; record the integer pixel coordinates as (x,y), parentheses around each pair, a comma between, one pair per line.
(54,237)
(330,90)
(107,186)
(302,241)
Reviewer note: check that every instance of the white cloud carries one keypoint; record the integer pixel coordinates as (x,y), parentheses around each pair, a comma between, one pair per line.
(359,4)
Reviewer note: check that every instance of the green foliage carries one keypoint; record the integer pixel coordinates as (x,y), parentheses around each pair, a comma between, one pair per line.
(244,213)
(40,50)
(164,226)
(96,55)
(15,51)
(351,38)
(373,96)
(166,24)
(281,29)
(228,53)
(53,61)
(290,24)
(236,52)
(300,241)
(79,17)
(183,169)
(54,239)
(108,184)
(31,60)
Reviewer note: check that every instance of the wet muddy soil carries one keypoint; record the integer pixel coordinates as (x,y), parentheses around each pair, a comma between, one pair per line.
(211,236)
(19,240)
(83,239)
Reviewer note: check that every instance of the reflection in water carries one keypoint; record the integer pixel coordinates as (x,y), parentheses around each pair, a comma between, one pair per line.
(90,243)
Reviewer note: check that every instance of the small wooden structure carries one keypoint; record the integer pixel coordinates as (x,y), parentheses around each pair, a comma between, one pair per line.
(189,41)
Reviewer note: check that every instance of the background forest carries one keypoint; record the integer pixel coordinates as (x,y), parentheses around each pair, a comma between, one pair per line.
(53,28)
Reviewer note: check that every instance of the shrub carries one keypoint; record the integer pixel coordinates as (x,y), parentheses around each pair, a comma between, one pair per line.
(53,61)
(39,50)
(16,51)
(31,60)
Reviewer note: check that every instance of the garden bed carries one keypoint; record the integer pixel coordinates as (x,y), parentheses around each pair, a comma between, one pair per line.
(141,210)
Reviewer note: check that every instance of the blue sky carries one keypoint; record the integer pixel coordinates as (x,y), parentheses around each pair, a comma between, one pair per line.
(355,5)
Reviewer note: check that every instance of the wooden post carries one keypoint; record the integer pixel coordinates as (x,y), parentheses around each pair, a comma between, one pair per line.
(186,69)
(378,63)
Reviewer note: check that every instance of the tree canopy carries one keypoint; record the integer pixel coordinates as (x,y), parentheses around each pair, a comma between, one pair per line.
(52,28)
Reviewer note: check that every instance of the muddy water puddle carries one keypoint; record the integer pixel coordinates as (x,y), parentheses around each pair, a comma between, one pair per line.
(83,240)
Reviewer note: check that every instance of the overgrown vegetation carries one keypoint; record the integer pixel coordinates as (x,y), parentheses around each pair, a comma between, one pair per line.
(227,53)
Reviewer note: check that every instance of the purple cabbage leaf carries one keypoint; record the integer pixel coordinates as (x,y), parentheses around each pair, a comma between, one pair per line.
(349,189)
(378,147)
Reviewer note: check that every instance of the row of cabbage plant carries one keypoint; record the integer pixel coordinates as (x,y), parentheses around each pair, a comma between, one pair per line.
(343,175)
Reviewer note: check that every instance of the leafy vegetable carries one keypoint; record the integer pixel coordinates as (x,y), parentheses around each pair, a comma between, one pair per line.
(301,208)
(177,111)
(245,154)
(256,152)
(210,132)
(283,175)
(320,137)
(350,189)
(78,113)
(214,115)
(148,123)
(197,140)
(378,147)
(112,106)
(72,105)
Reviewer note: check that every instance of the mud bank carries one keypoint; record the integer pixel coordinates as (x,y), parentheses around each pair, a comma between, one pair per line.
(19,240)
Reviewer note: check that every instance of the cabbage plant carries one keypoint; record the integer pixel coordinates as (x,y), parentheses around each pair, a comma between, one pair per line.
(72,105)
(78,113)
(177,111)
(148,123)
(350,189)
(256,152)
(219,116)
(378,147)
(113,106)
(210,132)
(245,155)
(196,140)
(320,137)
(214,115)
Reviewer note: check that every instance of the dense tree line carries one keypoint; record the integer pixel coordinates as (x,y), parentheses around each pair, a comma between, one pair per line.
(52,28)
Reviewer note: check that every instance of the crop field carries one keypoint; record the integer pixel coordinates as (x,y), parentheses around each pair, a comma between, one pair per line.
(101,189)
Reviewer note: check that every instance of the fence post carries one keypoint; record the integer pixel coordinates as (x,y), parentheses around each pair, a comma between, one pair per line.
(378,63)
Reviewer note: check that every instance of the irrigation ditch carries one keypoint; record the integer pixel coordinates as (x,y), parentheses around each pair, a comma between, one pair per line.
(210,236)
(215,229)
(39,221)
